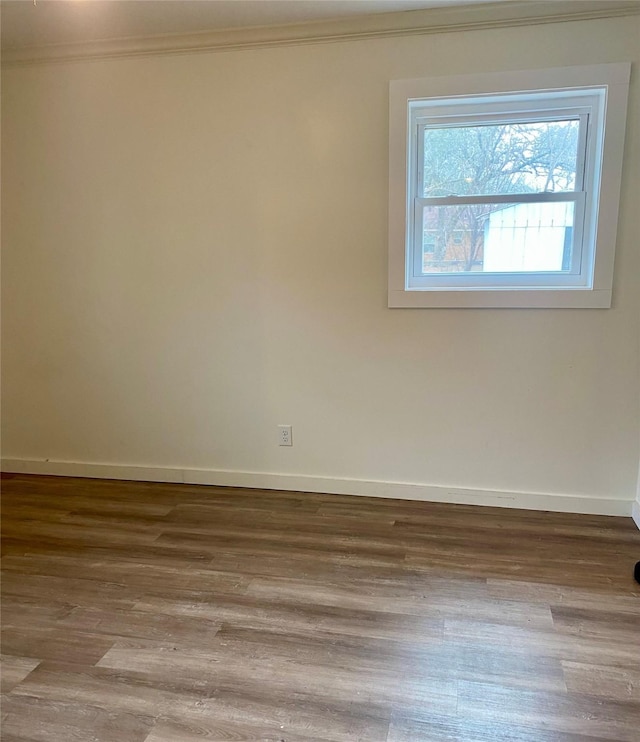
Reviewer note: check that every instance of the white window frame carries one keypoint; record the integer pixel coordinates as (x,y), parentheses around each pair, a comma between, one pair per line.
(597,96)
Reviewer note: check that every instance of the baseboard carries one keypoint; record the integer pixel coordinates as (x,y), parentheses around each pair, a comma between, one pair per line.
(330,485)
(635,512)
(92,471)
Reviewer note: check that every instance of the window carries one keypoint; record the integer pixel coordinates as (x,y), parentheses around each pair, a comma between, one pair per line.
(504,188)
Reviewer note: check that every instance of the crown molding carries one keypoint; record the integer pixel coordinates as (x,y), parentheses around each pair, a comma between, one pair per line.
(409,23)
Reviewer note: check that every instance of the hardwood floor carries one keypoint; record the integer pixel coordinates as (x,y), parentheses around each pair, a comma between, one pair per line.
(137,612)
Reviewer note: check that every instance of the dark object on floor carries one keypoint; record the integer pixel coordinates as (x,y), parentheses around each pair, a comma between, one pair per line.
(636,572)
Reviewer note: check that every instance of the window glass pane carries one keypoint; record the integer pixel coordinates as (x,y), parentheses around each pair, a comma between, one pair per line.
(494,159)
(497,238)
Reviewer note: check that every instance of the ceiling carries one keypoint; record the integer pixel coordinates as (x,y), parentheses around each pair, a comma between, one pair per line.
(25,24)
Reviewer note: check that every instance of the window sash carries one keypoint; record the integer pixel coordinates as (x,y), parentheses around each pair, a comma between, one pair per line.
(574,276)
(436,115)
(439,122)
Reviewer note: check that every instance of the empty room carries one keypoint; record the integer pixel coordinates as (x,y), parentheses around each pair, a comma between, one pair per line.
(320,370)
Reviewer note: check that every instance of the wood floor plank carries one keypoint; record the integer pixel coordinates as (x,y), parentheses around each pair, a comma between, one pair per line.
(67,590)
(212,730)
(81,533)
(14,670)
(562,713)
(597,623)
(326,679)
(79,575)
(620,600)
(141,624)
(549,644)
(263,614)
(443,729)
(120,691)
(437,661)
(414,602)
(615,683)
(575,573)
(241,715)
(327,565)
(210,724)
(267,541)
(55,644)
(187,706)
(44,721)
(32,611)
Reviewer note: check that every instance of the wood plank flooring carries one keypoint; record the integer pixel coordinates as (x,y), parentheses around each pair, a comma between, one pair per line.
(137,612)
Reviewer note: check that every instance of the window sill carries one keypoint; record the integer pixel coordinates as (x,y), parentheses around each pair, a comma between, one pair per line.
(501,299)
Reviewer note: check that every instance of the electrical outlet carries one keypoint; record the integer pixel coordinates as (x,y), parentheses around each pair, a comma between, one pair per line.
(284,435)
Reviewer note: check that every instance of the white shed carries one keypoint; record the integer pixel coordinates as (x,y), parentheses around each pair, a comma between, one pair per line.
(529,237)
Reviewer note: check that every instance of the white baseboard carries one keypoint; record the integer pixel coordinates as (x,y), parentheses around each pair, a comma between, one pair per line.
(635,512)
(92,471)
(330,485)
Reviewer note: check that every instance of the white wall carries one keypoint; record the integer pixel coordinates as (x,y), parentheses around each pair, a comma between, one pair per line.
(195,251)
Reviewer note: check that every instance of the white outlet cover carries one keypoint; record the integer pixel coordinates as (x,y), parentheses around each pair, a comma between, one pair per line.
(285,435)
